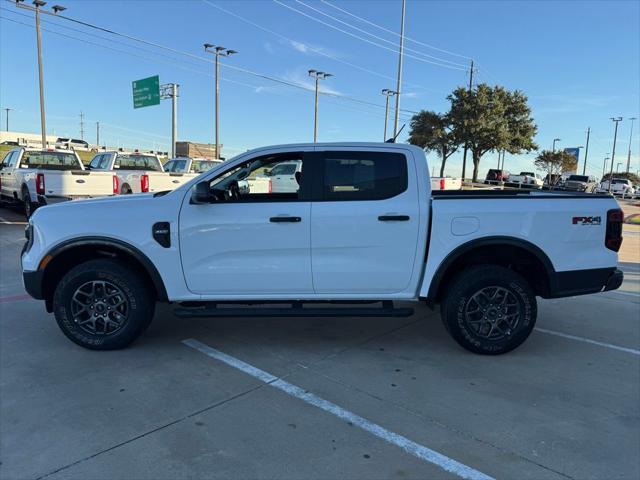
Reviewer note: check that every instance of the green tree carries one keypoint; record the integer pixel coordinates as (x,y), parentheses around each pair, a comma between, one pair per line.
(433,132)
(631,176)
(555,163)
(492,118)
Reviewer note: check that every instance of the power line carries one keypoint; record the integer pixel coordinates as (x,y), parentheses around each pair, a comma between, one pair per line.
(418,52)
(362,38)
(394,33)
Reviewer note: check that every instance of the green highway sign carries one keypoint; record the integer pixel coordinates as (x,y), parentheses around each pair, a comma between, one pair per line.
(146,92)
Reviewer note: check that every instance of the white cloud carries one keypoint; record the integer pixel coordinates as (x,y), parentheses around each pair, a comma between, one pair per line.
(309,49)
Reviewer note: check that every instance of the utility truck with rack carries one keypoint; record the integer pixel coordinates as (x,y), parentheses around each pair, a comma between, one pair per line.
(35,177)
(362,231)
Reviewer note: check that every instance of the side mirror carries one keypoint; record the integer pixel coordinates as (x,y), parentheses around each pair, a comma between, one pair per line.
(201,194)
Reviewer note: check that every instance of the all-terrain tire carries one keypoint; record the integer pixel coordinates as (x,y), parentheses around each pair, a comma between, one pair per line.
(103,304)
(489,309)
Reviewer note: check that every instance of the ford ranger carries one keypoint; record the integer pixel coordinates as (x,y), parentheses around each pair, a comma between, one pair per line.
(362,231)
(36,177)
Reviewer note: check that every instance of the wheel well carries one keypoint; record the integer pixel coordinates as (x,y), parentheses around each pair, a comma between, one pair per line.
(70,257)
(519,259)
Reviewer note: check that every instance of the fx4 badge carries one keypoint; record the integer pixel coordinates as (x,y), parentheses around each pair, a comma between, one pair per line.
(586,220)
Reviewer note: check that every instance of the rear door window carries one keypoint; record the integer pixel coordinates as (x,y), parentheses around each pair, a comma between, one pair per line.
(363,175)
(50,160)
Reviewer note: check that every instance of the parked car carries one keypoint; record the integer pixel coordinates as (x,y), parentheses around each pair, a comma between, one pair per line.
(525,180)
(620,186)
(282,178)
(496,177)
(581,183)
(363,226)
(138,172)
(69,143)
(36,177)
(189,165)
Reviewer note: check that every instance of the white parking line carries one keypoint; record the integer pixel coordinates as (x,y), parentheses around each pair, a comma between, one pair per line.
(7,222)
(588,340)
(409,446)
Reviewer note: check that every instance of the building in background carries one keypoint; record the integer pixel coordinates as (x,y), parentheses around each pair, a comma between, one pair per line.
(27,139)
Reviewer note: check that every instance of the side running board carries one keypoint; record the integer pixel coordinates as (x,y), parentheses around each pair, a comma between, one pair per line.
(295,309)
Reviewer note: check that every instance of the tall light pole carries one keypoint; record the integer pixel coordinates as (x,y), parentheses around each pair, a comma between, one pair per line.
(37,8)
(98,135)
(630,139)
(615,120)
(604,166)
(399,82)
(554,143)
(586,151)
(387,93)
(218,51)
(7,117)
(318,76)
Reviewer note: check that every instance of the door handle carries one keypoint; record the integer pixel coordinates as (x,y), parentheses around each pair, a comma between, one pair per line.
(285,219)
(393,218)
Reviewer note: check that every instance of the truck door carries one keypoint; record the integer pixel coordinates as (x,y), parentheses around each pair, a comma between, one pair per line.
(365,222)
(245,243)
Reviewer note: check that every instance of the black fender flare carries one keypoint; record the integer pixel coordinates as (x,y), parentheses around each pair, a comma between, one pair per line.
(147,264)
(461,250)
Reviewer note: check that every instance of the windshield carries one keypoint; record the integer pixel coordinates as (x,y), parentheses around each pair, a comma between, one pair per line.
(578,178)
(50,160)
(200,166)
(619,180)
(528,174)
(139,162)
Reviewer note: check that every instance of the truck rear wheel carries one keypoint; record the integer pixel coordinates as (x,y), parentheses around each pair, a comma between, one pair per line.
(29,206)
(489,309)
(103,304)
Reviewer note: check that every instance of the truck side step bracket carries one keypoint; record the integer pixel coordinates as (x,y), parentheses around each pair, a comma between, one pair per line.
(296,309)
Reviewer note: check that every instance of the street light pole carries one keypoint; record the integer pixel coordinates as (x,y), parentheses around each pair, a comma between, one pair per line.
(218,51)
(399,82)
(387,93)
(318,76)
(554,143)
(170,90)
(616,120)
(37,8)
(604,166)
(98,135)
(586,151)
(7,117)
(630,139)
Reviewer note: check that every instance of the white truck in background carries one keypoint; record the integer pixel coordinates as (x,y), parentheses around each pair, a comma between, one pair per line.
(189,165)
(36,177)
(138,172)
(525,180)
(446,183)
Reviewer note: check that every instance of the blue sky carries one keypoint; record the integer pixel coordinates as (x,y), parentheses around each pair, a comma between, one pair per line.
(578,62)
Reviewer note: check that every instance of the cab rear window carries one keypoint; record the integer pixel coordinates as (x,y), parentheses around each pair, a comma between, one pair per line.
(50,160)
(139,162)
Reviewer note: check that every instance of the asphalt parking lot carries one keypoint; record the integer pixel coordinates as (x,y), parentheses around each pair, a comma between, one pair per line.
(321,398)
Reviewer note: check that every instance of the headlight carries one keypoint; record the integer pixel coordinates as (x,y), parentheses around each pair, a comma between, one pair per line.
(28,235)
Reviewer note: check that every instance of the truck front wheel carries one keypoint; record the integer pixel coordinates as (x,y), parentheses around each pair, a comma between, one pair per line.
(489,309)
(103,304)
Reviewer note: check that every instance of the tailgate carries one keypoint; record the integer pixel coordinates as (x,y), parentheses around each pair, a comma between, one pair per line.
(161,181)
(78,183)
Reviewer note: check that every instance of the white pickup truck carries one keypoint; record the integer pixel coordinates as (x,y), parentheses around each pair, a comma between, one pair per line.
(138,172)
(525,180)
(362,229)
(36,177)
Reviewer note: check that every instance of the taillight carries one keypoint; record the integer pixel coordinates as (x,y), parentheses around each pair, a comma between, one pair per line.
(442,184)
(613,237)
(144,183)
(116,185)
(270,186)
(40,183)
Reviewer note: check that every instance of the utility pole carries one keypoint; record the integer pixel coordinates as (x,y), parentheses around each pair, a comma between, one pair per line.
(37,8)
(616,120)
(170,90)
(630,140)
(218,51)
(318,76)
(98,135)
(399,82)
(81,126)
(7,117)
(387,93)
(586,152)
(466,145)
